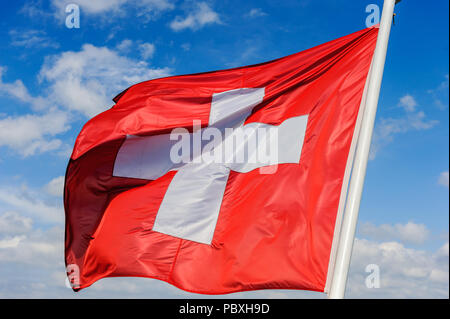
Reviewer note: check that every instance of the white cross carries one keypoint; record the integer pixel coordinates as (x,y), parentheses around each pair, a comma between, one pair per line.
(191,204)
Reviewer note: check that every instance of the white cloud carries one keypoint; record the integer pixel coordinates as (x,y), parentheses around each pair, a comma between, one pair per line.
(148,8)
(31,204)
(11,242)
(404,272)
(146,50)
(407,233)
(55,187)
(151,9)
(387,128)
(125,45)
(32,39)
(82,81)
(443,179)
(440,94)
(18,91)
(31,133)
(34,9)
(443,252)
(14,223)
(199,16)
(41,248)
(408,103)
(87,80)
(256,12)
(92,7)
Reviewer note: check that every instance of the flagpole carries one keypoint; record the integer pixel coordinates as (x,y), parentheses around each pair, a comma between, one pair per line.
(345,245)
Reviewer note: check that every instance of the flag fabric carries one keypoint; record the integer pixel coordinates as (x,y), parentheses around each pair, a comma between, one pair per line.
(220,227)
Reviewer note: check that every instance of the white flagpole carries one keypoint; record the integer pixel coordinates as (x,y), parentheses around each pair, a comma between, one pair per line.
(347,233)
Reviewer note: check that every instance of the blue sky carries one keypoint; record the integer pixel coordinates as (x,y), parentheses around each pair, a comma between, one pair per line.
(53,79)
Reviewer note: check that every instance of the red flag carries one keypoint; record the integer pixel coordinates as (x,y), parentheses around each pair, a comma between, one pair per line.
(220,227)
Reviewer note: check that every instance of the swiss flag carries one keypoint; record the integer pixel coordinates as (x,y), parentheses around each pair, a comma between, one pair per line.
(220,227)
